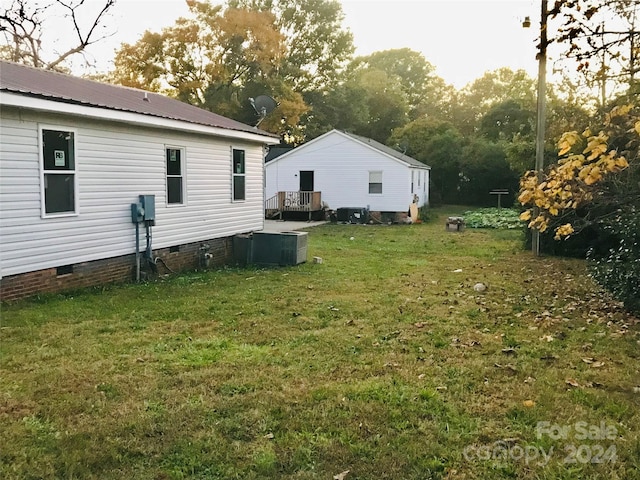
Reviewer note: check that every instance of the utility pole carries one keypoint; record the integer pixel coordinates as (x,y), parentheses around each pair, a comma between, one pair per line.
(541,113)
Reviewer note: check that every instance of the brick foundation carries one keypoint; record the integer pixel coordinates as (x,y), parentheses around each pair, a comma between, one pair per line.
(114,270)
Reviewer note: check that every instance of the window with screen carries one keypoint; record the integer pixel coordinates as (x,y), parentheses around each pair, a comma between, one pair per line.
(58,171)
(175,177)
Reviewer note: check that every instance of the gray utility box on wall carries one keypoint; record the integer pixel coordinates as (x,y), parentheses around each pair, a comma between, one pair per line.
(262,248)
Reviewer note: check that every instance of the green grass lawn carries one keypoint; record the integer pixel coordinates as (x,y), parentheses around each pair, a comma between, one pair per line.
(383,361)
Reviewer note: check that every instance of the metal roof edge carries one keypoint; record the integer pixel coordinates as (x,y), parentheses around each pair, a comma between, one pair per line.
(51,105)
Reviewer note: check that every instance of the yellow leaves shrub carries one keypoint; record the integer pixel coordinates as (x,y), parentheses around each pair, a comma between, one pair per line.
(563,231)
(596,146)
(572,181)
(526,215)
(567,141)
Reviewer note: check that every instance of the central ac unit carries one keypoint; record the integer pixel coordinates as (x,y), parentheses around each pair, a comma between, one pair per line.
(284,248)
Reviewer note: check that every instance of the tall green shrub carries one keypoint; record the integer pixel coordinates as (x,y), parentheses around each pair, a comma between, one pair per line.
(618,268)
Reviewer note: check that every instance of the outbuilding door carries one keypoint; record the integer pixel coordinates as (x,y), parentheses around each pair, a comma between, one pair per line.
(306,180)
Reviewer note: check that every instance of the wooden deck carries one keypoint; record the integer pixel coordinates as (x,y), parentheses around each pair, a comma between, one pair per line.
(293,202)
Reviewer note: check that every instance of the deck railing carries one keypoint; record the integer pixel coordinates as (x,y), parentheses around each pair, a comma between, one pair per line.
(293,202)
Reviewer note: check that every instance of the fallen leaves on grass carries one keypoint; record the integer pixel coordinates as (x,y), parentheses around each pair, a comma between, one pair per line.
(592,362)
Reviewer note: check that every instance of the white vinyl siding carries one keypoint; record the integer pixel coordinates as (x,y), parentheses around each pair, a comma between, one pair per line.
(116,163)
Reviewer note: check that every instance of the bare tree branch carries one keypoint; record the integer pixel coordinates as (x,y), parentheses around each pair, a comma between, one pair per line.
(22,26)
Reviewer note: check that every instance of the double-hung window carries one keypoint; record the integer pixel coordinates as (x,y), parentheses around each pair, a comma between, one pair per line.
(175,175)
(58,162)
(375,182)
(238,174)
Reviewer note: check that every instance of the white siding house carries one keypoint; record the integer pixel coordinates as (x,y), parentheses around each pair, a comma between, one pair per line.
(351,171)
(74,156)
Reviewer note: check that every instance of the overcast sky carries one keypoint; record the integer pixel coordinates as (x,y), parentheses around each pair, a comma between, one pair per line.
(461,38)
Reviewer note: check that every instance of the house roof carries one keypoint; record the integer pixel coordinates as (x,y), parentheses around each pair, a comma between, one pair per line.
(58,87)
(275,152)
(388,151)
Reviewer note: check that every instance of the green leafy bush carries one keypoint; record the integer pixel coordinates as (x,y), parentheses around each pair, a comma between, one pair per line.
(506,218)
(618,268)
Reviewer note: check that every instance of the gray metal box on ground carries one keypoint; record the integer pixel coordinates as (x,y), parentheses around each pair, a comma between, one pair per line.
(242,246)
(285,248)
(353,215)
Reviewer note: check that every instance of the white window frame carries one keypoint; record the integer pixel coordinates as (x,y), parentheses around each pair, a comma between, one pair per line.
(381,183)
(44,172)
(182,176)
(234,175)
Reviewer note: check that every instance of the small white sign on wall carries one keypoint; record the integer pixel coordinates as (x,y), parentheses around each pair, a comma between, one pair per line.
(58,156)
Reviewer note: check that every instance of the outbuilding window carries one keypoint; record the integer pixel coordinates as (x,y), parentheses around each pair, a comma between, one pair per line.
(58,160)
(375,182)
(238,174)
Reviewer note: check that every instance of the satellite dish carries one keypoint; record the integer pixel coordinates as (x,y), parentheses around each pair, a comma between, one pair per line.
(263,105)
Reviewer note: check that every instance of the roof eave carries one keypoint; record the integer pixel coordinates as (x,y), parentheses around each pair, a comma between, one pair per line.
(54,105)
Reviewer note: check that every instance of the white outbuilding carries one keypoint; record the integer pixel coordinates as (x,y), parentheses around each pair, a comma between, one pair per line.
(349,171)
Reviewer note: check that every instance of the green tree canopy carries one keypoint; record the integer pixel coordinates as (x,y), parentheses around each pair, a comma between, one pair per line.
(219,57)
(507,121)
(485,167)
(440,145)
(425,92)
(386,102)
(317,45)
(215,59)
(343,107)
(477,98)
